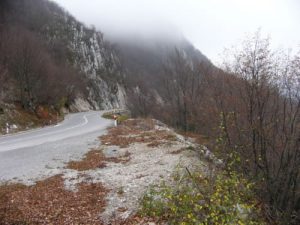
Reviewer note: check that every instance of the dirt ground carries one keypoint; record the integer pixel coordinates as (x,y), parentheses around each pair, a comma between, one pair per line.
(105,186)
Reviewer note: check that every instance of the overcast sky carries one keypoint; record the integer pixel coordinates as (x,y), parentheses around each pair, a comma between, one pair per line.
(211,25)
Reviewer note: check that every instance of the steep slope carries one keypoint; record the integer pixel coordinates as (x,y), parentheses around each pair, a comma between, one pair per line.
(95,57)
(72,44)
(106,71)
(161,72)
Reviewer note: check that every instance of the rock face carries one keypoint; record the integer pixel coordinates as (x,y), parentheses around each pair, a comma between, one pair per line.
(96,59)
(73,47)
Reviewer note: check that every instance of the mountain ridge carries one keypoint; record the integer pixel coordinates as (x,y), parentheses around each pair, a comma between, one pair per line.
(104,71)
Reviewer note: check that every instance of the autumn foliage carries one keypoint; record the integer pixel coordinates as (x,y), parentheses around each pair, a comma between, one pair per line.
(30,72)
(250,107)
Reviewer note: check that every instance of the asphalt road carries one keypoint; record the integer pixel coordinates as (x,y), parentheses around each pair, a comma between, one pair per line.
(31,155)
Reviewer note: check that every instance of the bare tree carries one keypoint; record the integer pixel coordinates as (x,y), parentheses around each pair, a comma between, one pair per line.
(37,78)
(268,121)
(181,89)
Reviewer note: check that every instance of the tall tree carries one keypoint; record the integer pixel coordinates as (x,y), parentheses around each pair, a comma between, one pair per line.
(268,117)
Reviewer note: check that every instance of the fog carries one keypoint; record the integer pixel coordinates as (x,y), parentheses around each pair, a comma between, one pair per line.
(211,25)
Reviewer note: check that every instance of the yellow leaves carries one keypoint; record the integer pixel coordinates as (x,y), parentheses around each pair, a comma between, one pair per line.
(216,202)
(173,209)
(199,207)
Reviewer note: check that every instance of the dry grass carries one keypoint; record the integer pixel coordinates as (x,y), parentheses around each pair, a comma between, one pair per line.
(140,124)
(137,131)
(26,119)
(48,202)
(161,137)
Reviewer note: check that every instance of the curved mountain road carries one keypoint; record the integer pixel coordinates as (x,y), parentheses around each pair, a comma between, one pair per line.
(32,155)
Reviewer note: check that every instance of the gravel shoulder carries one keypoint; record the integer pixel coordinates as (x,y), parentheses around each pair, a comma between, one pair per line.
(125,161)
(146,159)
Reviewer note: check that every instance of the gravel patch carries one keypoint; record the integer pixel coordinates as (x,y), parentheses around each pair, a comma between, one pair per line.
(127,182)
(129,169)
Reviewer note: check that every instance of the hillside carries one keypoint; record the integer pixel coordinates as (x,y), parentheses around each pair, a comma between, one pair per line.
(247,113)
(70,66)
(72,48)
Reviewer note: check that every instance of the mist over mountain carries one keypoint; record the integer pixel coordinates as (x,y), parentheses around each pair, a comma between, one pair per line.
(145,45)
(104,63)
(146,58)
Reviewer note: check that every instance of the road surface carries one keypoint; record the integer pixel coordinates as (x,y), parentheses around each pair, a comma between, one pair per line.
(39,153)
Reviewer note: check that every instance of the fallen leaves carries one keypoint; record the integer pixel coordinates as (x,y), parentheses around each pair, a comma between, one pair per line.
(137,131)
(48,202)
(95,159)
(92,160)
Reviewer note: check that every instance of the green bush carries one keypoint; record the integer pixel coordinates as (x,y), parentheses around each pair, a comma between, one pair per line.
(196,199)
(120,118)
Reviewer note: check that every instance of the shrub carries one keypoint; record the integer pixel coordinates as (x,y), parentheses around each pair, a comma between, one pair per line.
(197,199)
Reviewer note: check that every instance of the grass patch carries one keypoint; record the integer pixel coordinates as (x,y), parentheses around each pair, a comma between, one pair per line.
(109,116)
(48,202)
(122,118)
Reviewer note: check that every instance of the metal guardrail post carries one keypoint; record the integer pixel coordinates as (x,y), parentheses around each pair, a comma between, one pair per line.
(7,128)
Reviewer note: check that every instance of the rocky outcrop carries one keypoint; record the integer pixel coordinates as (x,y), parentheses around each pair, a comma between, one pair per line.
(95,58)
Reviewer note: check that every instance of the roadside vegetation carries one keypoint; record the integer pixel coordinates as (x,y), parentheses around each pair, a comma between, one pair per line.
(250,109)
(223,198)
(121,116)
(20,119)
